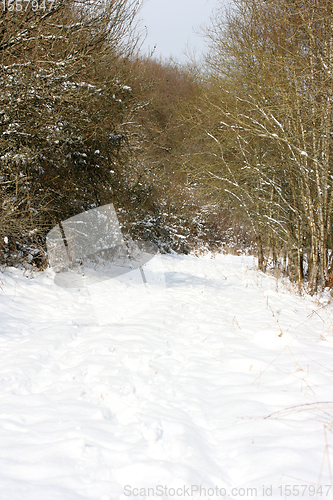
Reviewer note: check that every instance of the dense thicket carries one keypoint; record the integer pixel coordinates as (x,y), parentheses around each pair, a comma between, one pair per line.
(62,105)
(178,213)
(265,118)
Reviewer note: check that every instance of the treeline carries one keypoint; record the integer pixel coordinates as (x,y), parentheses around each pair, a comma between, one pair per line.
(234,152)
(85,121)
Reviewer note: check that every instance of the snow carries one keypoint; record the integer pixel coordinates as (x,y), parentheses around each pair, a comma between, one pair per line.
(222,384)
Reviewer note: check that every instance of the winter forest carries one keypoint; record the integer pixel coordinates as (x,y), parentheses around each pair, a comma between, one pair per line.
(166,254)
(233,152)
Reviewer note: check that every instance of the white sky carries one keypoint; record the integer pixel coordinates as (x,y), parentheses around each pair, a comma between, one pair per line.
(170,25)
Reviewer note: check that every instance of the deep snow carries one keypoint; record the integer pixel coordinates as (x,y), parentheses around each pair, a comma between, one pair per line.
(225,381)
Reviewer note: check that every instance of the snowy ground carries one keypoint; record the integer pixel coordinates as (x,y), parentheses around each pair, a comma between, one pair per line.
(225,384)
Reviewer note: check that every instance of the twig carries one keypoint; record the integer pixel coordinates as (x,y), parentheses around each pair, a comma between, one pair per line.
(301,406)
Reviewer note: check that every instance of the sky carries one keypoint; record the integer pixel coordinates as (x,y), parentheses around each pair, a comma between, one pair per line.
(170,25)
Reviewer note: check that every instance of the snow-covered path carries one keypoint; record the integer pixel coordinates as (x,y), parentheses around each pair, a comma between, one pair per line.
(191,393)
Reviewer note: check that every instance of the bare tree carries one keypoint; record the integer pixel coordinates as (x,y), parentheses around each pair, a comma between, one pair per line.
(268,98)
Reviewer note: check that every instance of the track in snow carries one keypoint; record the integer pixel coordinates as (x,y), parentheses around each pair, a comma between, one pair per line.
(174,396)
